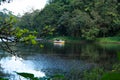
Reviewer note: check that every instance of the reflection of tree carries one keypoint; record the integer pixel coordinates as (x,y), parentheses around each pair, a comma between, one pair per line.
(89,51)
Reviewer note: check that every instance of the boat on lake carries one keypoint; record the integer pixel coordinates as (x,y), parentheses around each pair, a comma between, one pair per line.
(59,41)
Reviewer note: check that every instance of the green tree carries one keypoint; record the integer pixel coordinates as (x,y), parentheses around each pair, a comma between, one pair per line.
(78,18)
(10,32)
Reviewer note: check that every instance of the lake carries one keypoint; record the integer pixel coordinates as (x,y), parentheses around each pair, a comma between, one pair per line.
(70,59)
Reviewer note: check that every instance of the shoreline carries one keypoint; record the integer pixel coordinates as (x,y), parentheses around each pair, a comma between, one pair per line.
(106,40)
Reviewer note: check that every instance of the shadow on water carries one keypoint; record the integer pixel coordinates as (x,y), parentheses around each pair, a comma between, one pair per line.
(70,59)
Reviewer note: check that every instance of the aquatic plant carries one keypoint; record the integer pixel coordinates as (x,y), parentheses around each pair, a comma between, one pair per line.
(3,79)
(93,74)
(32,77)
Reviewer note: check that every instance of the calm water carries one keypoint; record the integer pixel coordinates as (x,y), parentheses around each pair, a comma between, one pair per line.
(70,59)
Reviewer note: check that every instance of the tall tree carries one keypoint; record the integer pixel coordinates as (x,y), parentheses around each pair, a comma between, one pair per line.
(78,18)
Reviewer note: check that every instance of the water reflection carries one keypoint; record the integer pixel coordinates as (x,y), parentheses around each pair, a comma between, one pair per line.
(13,64)
(59,44)
(91,53)
(67,58)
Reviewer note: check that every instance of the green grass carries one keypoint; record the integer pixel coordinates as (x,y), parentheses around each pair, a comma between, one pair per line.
(108,40)
(65,38)
(78,39)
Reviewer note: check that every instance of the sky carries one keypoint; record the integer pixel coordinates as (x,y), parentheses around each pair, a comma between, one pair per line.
(22,6)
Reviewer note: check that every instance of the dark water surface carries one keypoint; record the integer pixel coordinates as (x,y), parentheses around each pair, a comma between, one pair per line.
(68,59)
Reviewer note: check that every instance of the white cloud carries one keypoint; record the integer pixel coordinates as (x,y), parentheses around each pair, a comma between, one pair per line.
(22,6)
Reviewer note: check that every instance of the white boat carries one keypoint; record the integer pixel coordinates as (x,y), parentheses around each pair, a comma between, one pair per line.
(59,41)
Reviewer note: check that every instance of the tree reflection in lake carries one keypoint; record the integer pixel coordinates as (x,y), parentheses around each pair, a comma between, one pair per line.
(72,58)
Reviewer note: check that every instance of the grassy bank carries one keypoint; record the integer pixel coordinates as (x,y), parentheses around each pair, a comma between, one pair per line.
(108,40)
(98,40)
(65,38)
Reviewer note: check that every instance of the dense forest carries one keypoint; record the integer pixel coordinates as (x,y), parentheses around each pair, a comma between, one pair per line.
(87,19)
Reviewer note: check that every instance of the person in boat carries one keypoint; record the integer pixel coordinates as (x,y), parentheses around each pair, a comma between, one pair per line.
(58,40)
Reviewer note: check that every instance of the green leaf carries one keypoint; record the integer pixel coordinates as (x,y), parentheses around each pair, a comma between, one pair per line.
(33,41)
(41,45)
(111,76)
(26,75)
(60,76)
(3,79)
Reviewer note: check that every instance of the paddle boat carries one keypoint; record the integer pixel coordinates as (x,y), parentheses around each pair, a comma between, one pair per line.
(59,41)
